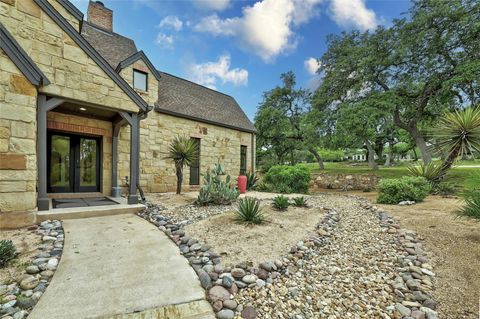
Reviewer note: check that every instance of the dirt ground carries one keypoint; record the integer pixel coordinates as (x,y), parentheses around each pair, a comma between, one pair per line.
(256,243)
(26,242)
(453,245)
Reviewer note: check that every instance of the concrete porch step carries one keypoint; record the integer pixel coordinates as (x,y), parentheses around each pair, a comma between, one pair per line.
(90,211)
(199,309)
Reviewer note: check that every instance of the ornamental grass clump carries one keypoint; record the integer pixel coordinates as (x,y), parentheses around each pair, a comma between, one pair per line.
(7,252)
(407,188)
(471,208)
(280,202)
(249,211)
(299,201)
(252,180)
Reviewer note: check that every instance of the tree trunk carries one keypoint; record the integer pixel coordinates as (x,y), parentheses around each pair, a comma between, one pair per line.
(371,155)
(446,165)
(412,129)
(317,157)
(415,155)
(387,161)
(179,172)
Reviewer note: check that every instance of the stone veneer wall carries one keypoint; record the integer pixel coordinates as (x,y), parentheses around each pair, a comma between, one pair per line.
(218,145)
(18,160)
(87,126)
(151,96)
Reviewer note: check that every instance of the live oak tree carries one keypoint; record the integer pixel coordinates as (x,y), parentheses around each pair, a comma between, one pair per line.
(284,122)
(422,66)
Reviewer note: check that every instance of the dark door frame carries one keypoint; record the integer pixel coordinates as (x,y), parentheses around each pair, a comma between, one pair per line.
(74,186)
(195,169)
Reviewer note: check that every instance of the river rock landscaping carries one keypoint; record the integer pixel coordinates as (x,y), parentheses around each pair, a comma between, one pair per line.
(19,294)
(357,262)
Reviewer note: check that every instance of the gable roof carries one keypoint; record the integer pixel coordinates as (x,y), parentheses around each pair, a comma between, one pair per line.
(20,58)
(135,57)
(114,47)
(90,51)
(182,98)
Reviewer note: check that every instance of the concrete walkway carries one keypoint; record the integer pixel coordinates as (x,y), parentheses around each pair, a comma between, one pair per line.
(121,267)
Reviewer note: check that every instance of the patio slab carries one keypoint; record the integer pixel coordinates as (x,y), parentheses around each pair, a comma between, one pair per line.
(121,266)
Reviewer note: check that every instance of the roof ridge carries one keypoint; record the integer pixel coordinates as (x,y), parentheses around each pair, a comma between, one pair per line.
(96,27)
(203,86)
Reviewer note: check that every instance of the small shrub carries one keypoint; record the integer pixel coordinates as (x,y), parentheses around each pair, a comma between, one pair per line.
(252,180)
(443,189)
(280,202)
(249,211)
(262,187)
(7,252)
(215,190)
(393,191)
(288,179)
(472,197)
(300,201)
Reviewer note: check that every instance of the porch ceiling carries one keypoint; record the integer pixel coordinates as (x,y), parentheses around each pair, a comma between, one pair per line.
(86,111)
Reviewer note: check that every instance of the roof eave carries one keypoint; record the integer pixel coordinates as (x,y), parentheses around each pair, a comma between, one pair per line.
(198,119)
(135,57)
(70,7)
(21,59)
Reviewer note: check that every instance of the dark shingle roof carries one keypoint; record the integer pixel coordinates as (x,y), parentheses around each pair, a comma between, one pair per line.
(178,96)
(113,47)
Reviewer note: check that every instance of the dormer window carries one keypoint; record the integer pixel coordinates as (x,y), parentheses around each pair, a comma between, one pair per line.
(140,80)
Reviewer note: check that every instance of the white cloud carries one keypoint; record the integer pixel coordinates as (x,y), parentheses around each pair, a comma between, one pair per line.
(266,27)
(353,13)
(171,22)
(165,41)
(217,5)
(209,73)
(311,65)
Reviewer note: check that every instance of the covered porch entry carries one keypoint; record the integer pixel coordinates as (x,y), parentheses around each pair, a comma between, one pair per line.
(78,155)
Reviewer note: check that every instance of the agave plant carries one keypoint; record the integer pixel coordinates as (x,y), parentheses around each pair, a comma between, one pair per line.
(7,251)
(252,180)
(300,201)
(457,134)
(183,151)
(249,211)
(280,202)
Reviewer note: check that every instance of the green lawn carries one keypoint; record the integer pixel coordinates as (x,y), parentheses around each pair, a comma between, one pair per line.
(457,175)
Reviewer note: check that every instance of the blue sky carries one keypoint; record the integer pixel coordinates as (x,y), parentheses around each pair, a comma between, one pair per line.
(241,47)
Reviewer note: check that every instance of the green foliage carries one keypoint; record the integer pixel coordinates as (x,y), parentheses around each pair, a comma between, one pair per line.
(329,155)
(472,197)
(457,135)
(183,151)
(252,180)
(280,202)
(429,171)
(300,201)
(7,251)
(215,190)
(393,191)
(249,211)
(443,189)
(287,179)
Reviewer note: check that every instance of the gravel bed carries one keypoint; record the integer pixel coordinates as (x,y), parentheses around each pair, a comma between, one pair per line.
(17,298)
(358,263)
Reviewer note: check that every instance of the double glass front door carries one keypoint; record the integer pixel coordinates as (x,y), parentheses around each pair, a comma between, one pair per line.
(73,163)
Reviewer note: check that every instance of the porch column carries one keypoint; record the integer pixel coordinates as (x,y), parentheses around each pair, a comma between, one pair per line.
(133,120)
(134,150)
(43,106)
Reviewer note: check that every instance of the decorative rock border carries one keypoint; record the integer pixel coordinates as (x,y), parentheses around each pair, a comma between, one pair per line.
(415,279)
(220,282)
(18,298)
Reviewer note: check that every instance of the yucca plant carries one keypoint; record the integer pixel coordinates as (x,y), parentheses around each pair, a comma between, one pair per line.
(472,197)
(183,151)
(7,251)
(280,202)
(252,180)
(249,211)
(429,171)
(457,134)
(300,201)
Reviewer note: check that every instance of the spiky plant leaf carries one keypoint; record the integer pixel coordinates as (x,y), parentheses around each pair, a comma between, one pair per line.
(280,202)
(249,211)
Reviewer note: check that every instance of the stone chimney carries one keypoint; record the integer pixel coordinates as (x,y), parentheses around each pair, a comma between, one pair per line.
(99,15)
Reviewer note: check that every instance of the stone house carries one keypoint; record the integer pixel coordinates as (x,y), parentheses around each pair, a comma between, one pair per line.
(84,113)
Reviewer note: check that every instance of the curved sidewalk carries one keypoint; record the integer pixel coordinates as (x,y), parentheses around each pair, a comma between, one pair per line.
(121,267)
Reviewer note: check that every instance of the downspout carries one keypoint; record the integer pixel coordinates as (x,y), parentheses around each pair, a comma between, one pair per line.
(141,116)
(252,152)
